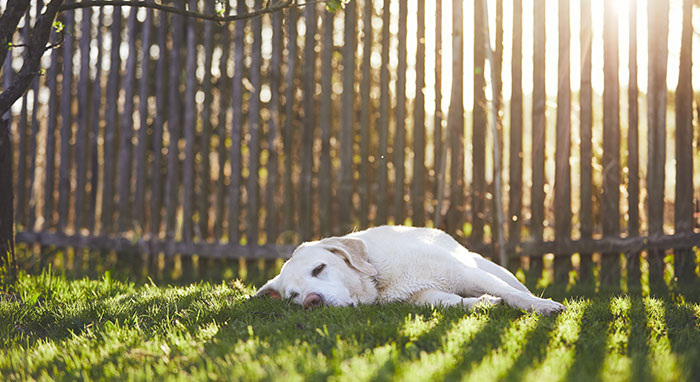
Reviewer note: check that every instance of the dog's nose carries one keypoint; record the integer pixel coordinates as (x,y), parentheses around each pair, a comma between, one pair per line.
(313,300)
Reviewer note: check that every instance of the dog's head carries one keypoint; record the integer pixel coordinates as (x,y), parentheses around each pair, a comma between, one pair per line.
(333,271)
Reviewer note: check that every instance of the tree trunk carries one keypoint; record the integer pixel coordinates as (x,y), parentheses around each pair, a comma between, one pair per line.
(8,262)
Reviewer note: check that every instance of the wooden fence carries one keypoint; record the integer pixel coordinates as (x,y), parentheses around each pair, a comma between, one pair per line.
(240,140)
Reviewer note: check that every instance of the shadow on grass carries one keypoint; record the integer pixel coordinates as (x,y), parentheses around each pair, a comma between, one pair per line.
(590,347)
(637,346)
(486,339)
(534,350)
(683,336)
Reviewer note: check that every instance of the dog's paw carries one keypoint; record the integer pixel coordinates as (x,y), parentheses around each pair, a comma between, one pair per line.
(488,300)
(547,307)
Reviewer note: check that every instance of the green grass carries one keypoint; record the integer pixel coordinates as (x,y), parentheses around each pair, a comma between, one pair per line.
(54,328)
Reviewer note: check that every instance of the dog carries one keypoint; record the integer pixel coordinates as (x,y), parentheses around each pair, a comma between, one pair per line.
(422,266)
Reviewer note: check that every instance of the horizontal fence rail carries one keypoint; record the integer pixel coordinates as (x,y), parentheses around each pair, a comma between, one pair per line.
(154,133)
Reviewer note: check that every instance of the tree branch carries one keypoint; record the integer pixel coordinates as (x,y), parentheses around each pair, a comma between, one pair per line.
(8,24)
(32,56)
(277,6)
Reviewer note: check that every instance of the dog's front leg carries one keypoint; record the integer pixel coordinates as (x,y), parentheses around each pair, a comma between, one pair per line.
(436,297)
(483,282)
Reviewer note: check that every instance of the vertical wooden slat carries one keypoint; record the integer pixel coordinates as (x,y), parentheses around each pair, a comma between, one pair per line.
(224,83)
(33,141)
(93,153)
(657,12)
(83,115)
(254,131)
(419,122)
(365,113)
(400,116)
(633,270)
(174,127)
(610,264)
(289,202)
(20,187)
(273,125)
(586,134)
(204,182)
(438,144)
(236,122)
(309,88)
(498,216)
(455,119)
(49,172)
(562,175)
(498,240)
(189,121)
(538,132)
(127,128)
(479,120)
(383,118)
(324,191)
(347,121)
(515,178)
(684,260)
(158,122)
(111,123)
(189,126)
(140,169)
(66,122)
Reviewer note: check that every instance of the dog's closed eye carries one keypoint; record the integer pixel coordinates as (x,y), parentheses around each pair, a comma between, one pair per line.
(318,270)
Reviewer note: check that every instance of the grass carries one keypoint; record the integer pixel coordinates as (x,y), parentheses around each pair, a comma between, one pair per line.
(55,328)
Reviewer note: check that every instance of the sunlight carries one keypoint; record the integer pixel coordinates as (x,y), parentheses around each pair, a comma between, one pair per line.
(617,362)
(621,8)
(559,354)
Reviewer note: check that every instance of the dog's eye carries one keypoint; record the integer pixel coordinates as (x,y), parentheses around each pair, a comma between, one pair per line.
(318,270)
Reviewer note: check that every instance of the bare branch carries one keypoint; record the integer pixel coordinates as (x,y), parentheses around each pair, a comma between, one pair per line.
(32,56)
(8,24)
(277,6)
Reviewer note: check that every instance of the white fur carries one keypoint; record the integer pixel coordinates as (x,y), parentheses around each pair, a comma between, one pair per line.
(396,263)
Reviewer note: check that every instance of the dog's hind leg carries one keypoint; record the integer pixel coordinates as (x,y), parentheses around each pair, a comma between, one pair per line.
(436,297)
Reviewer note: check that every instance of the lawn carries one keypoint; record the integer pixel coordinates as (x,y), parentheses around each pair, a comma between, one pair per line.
(55,328)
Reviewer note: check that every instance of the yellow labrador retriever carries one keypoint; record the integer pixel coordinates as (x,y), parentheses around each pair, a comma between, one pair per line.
(395,263)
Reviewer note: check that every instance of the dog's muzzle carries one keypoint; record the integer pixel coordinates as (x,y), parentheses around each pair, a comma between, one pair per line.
(313,300)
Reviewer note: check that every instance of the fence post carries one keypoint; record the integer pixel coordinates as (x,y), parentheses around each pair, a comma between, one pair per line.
(610,264)
(455,120)
(345,187)
(562,176)
(585,271)
(515,177)
(325,200)
(684,259)
(418,215)
(633,269)
(656,121)
(479,122)
(308,80)
(538,134)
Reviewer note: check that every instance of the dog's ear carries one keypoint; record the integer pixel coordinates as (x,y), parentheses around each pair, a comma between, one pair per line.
(269,290)
(353,250)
